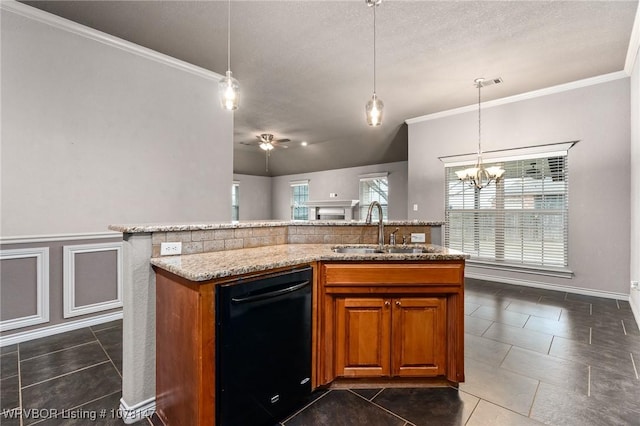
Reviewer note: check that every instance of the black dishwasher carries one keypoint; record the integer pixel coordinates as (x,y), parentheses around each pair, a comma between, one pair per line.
(263,347)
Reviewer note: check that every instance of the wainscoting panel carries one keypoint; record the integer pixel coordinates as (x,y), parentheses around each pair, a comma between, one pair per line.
(92,278)
(24,293)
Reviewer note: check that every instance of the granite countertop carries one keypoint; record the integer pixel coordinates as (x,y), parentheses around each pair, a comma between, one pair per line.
(203,226)
(220,264)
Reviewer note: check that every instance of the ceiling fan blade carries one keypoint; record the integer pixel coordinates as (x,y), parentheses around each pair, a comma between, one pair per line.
(282,140)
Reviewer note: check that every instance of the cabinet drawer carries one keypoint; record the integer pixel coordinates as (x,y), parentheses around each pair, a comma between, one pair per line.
(372,274)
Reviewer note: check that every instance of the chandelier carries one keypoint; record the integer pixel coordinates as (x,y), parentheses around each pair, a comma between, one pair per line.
(479,176)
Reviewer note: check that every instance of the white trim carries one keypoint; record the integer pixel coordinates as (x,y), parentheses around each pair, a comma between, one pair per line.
(92,34)
(132,414)
(70,309)
(372,176)
(24,336)
(29,239)
(634,309)
(526,269)
(566,288)
(634,44)
(514,154)
(301,182)
(523,96)
(42,287)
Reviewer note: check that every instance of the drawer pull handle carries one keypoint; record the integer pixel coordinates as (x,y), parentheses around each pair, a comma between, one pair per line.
(398,303)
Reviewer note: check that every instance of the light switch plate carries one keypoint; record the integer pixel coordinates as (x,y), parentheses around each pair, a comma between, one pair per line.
(415,207)
(418,237)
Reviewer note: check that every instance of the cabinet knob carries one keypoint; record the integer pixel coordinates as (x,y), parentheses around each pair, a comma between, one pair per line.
(387,303)
(398,303)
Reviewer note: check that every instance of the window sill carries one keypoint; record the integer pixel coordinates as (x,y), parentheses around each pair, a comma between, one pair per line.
(528,269)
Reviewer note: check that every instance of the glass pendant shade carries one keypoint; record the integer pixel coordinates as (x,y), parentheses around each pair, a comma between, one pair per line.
(229,91)
(374,110)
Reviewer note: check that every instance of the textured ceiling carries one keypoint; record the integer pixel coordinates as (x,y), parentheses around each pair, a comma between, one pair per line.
(305,67)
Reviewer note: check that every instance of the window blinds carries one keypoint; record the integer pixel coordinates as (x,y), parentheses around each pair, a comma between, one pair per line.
(299,196)
(523,219)
(374,189)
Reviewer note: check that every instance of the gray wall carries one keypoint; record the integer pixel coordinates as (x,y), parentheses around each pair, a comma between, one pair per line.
(635,184)
(255,197)
(344,182)
(93,135)
(599,168)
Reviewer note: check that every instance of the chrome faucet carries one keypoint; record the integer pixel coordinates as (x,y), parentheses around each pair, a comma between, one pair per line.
(380,224)
(392,237)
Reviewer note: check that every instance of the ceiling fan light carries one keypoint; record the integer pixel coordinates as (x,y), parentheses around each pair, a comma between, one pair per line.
(374,109)
(229,91)
(266,146)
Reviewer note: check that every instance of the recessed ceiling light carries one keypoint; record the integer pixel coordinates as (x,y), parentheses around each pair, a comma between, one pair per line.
(303,143)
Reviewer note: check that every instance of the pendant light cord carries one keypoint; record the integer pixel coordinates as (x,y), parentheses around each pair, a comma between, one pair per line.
(229,37)
(374,49)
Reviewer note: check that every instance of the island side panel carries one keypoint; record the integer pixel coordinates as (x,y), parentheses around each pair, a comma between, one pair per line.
(185,363)
(138,327)
(455,331)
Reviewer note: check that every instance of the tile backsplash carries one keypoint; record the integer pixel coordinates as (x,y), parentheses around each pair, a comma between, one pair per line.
(202,241)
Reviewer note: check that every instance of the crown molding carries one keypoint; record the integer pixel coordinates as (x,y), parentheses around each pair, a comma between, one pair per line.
(93,34)
(605,78)
(634,44)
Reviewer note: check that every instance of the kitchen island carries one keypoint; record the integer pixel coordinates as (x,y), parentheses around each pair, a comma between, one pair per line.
(142,242)
(395,318)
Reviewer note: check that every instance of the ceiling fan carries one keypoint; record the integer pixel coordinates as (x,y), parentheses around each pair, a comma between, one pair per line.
(267,143)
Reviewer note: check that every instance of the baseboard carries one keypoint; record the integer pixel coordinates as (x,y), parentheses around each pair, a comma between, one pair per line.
(635,309)
(131,414)
(58,328)
(536,284)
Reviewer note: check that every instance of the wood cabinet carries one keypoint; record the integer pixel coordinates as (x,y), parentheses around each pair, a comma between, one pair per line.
(381,337)
(391,320)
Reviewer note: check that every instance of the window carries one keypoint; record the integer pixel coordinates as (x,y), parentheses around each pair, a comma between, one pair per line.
(374,188)
(299,196)
(235,201)
(521,220)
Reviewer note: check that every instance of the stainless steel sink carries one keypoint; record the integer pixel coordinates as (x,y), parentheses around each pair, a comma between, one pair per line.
(361,250)
(371,250)
(408,250)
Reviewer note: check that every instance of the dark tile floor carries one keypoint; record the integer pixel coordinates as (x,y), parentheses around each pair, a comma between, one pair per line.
(532,357)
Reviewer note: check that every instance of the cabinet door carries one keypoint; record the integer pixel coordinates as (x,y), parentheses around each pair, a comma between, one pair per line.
(419,337)
(363,337)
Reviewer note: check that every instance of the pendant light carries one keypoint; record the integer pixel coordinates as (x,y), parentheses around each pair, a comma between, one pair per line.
(478,176)
(228,87)
(375,106)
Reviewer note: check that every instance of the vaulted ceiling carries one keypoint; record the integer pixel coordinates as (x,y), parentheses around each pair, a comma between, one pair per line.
(306,67)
